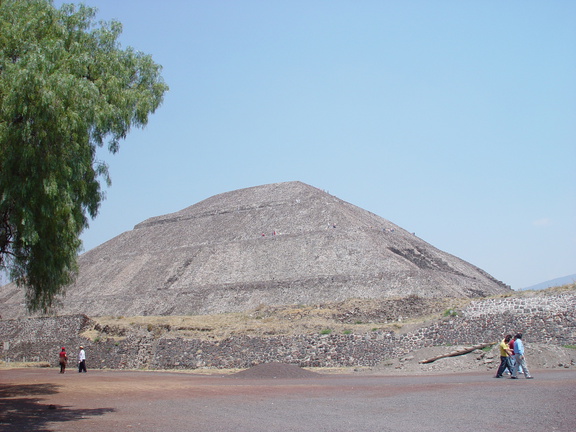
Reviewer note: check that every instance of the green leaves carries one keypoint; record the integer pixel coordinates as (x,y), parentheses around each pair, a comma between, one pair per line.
(66,88)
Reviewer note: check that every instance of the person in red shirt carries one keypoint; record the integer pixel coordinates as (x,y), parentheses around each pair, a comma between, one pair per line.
(63,359)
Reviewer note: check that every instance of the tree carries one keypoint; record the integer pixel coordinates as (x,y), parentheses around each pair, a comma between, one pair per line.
(66,88)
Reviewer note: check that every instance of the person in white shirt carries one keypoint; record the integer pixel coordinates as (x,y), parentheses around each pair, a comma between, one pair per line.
(81,360)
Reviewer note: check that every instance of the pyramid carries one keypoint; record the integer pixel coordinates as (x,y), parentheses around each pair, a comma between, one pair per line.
(283,243)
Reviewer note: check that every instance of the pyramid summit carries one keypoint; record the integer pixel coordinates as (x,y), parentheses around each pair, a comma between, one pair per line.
(283,243)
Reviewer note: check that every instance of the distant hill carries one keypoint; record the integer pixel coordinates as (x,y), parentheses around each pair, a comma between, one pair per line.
(552,283)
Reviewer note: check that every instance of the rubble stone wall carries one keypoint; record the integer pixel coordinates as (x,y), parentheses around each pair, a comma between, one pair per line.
(542,319)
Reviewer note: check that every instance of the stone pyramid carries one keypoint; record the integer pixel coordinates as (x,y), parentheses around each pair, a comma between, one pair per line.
(284,243)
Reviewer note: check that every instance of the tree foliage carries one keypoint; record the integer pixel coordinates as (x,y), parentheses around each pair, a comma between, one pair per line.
(66,88)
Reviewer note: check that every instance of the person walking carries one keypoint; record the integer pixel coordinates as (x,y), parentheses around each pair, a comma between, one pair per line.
(81,360)
(520,359)
(512,356)
(505,354)
(63,360)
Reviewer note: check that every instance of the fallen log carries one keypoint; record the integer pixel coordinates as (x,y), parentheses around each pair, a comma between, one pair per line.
(458,352)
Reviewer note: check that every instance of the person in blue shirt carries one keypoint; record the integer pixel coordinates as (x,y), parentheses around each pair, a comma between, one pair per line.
(520,359)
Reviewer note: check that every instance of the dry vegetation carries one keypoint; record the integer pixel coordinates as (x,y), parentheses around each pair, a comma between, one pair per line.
(354,316)
(350,317)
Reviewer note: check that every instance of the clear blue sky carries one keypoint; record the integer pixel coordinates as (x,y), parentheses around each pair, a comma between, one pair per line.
(454,119)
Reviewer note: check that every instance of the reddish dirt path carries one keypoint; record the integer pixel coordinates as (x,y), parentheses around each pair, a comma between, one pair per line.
(101,401)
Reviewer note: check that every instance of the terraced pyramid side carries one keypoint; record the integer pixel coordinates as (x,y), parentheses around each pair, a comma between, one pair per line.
(284,243)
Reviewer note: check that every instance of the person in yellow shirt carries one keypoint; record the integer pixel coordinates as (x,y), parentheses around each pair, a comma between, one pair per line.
(505,354)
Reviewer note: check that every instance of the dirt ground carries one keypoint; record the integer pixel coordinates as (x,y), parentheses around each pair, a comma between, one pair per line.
(539,356)
(278,397)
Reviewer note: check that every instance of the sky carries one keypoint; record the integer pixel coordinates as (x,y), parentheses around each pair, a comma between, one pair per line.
(455,120)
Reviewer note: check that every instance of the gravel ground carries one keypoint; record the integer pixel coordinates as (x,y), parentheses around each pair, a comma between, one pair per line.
(283,398)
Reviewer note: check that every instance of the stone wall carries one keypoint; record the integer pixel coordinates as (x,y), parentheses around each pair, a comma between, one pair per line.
(546,304)
(542,319)
(37,339)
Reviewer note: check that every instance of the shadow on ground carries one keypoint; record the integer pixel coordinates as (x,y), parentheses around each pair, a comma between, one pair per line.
(21,408)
